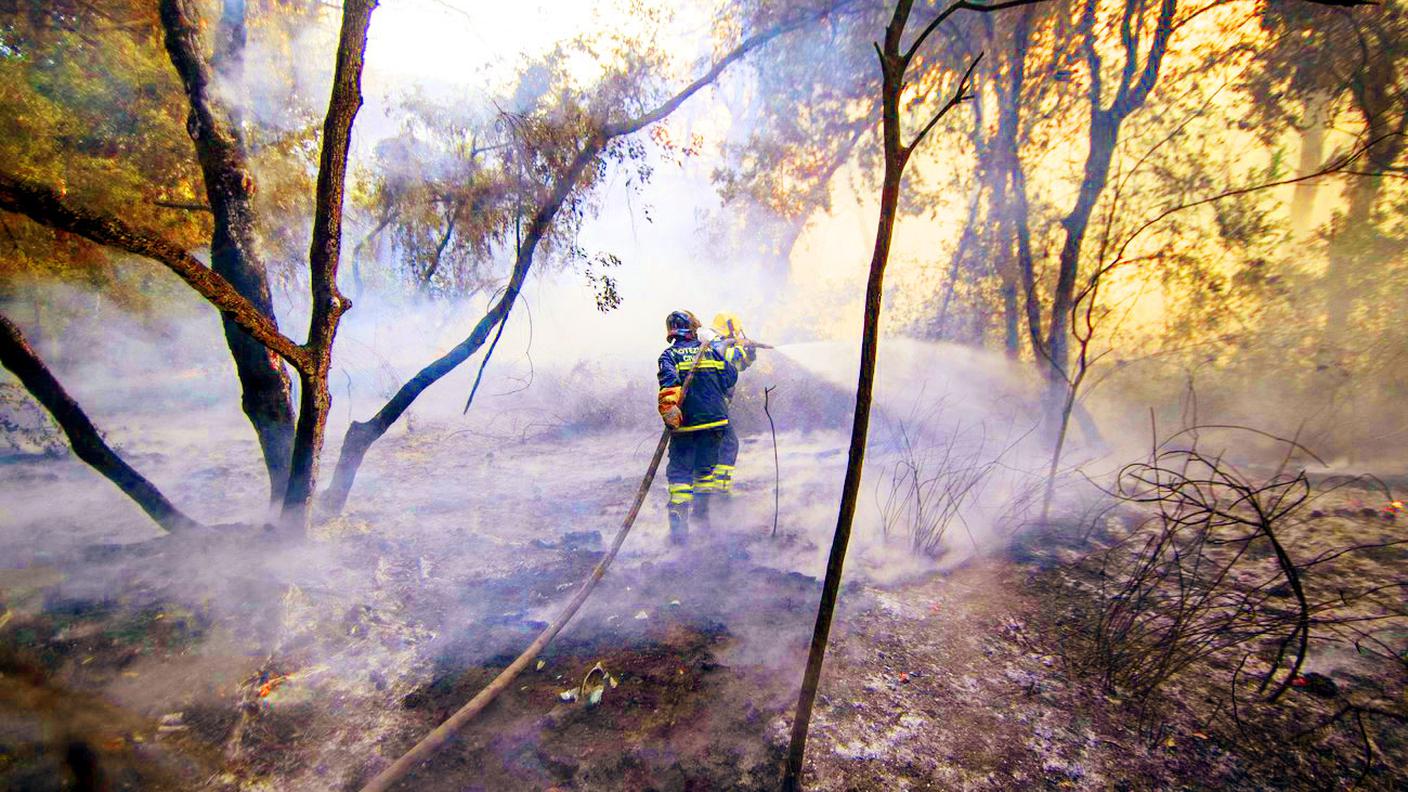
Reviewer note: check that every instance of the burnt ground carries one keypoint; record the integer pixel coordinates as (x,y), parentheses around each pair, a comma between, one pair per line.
(242,660)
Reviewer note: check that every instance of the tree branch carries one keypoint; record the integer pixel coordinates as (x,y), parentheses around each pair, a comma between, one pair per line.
(746,46)
(961,5)
(1340,165)
(228,182)
(324,254)
(1127,102)
(20,358)
(960,95)
(49,208)
(184,206)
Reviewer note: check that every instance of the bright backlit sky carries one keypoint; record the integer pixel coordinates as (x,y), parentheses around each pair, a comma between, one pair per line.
(461,40)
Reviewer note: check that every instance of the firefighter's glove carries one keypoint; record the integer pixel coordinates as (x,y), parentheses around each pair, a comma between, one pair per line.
(673,417)
(750,355)
(670,407)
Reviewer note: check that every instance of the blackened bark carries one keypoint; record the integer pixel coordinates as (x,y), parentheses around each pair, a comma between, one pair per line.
(323,257)
(20,358)
(362,434)
(229,187)
(48,207)
(894,63)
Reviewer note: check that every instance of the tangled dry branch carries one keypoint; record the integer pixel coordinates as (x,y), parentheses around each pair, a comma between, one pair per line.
(1219,568)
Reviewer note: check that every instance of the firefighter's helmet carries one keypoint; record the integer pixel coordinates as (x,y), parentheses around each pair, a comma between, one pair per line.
(680,324)
(727,325)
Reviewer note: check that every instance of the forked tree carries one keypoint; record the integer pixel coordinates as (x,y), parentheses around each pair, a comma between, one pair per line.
(229,187)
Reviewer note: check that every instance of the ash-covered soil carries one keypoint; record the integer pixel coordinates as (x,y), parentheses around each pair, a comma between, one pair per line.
(243,659)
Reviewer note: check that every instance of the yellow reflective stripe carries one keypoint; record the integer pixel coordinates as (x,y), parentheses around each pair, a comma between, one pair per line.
(723,468)
(710,425)
(708,365)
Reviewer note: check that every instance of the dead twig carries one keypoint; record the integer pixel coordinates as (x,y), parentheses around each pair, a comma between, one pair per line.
(776,465)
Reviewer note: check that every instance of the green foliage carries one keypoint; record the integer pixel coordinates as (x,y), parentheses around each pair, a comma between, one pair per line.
(92,106)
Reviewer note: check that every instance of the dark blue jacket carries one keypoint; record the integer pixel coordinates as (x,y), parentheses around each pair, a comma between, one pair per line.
(706,402)
(740,356)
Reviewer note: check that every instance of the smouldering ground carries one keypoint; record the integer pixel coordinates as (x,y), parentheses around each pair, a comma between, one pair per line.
(241,660)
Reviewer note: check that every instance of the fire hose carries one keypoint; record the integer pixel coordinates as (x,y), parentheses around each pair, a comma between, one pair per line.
(441,735)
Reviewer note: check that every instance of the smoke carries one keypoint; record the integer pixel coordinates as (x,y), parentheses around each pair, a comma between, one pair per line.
(465,530)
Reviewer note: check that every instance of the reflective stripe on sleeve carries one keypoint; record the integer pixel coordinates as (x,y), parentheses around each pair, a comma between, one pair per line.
(697,427)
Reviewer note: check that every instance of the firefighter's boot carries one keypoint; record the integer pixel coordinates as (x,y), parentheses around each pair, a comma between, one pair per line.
(679,523)
(701,509)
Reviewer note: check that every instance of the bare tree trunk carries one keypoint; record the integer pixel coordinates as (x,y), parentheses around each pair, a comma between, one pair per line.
(1312,156)
(1026,265)
(894,63)
(234,255)
(1002,261)
(1373,97)
(1013,183)
(323,257)
(1105,123)
(1104,131)
(20,358)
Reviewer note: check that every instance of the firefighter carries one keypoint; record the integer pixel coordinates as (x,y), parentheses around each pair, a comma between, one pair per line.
(742,354)
(697,424)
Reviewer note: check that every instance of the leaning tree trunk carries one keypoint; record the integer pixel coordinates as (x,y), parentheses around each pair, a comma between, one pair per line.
(362,434)
(229,186)
(20,358)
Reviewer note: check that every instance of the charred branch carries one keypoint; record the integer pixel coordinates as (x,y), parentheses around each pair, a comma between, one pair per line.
(323,257)
(53,209)
(229,187)
(20,358)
